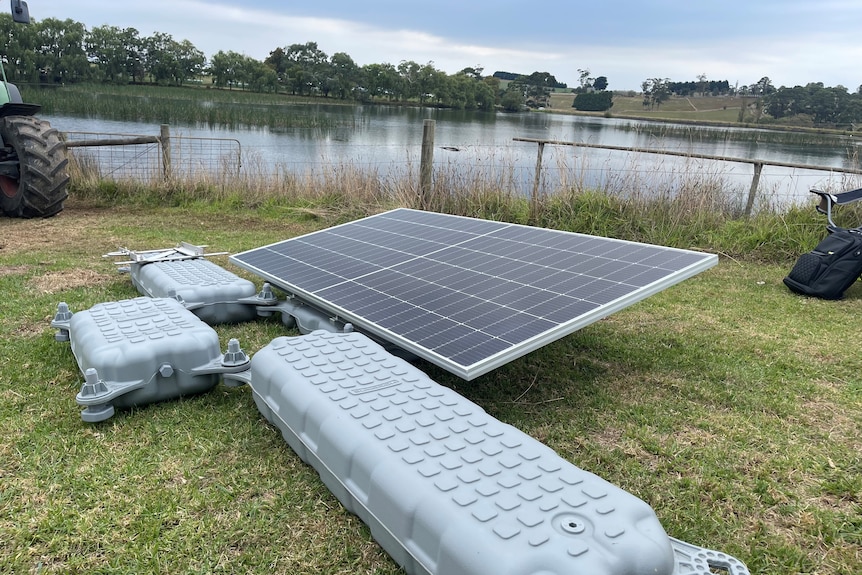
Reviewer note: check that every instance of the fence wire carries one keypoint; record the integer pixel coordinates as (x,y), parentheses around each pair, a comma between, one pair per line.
(509,167)
(121,157)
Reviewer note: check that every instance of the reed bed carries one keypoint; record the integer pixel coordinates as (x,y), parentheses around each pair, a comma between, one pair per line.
(196,106)
(717,133)
(688,208)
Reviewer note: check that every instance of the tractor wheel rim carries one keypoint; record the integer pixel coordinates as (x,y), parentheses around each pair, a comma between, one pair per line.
(8,186)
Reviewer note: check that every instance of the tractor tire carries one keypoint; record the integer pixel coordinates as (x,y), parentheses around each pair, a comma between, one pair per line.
(40,190)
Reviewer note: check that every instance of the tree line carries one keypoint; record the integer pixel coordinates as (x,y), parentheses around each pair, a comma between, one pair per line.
(811,105)
(65,52)
(815,105)
(658,90)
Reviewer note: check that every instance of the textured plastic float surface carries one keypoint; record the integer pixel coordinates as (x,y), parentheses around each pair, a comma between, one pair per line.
(144,350)
(207,289)
(444,487)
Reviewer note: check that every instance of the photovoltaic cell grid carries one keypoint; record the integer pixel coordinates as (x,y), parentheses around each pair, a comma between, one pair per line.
(466,294)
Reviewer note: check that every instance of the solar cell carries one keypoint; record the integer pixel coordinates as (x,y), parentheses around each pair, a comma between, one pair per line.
(466,294)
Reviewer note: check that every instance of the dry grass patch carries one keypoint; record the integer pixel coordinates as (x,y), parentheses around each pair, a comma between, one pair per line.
(57,281)
(13,270)
(68,230)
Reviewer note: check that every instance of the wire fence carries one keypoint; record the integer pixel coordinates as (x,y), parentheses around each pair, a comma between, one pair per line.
(512,166)
(110,156)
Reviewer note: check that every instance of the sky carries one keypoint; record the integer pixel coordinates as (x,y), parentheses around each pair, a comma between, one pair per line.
(792,42)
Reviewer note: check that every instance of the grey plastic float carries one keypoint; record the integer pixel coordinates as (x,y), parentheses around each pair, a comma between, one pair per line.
(183,273)
(209,291)
(444,487)
(142,350)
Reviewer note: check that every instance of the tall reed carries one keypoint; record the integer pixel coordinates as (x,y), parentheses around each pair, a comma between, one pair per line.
(694,208)
(184,106)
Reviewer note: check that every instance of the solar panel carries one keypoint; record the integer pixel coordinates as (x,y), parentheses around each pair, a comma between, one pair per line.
(466,294)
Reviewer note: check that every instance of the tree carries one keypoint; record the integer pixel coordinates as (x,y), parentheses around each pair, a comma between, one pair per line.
(763,87)
(701,84)
(190,62)
(20,50)
(134,58)
(258,76)
(431,83)
(814,104)
(307,66)
(513,100)
(105,49)
(536,88)
(160,58)
(474,72)
(656,91)
(115,53)
(229,69)
(277,61)
(585,82)
(378,80)
(600,83)
(593,101)
(485,95)
(468,90)
(234,70)
(59,48)
(344,76)
(408,71)
(493,84)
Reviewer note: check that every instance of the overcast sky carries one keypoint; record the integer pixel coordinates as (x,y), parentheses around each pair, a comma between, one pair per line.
(793,42)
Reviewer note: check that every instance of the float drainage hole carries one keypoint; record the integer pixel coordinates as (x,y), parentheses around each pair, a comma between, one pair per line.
(572,526)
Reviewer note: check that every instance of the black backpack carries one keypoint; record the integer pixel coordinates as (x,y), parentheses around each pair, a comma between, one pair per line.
(831,268)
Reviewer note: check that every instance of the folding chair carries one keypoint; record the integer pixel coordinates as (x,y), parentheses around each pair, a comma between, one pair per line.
(828,200)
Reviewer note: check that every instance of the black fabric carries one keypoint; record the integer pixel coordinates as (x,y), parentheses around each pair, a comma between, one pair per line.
(831,268)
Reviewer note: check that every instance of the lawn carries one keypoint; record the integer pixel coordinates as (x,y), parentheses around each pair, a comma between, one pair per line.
(730,405)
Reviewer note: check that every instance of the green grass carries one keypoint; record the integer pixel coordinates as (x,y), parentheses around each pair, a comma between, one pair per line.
(705,110)
(701,109)
(730,405)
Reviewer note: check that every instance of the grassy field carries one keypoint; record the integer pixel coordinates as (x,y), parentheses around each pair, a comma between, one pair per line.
(730,405)
(695,109)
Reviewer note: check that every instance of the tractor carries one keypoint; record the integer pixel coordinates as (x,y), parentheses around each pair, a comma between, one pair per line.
(33,161)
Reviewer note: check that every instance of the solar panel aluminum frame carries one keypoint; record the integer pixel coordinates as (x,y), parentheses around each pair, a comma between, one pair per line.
(467,371)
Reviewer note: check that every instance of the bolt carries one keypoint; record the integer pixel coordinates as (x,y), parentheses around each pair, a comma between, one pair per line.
(234,356)
(572,526)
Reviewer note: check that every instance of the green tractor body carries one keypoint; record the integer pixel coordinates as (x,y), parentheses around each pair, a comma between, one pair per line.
(33,162)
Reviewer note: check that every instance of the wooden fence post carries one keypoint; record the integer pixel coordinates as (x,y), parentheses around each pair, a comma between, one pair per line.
(426,164)
(165,141)
(534,198)
(752,192)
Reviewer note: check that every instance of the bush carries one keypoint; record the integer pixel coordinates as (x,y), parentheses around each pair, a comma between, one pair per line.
(593,102)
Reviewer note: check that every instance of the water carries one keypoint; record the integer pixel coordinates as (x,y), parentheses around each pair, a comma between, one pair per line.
(387,140)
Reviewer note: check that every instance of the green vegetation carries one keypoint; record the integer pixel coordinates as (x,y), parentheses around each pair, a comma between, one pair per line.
(814,105)
(727,403)
(173,105)
(593,102)
(706,109)
(55,52)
